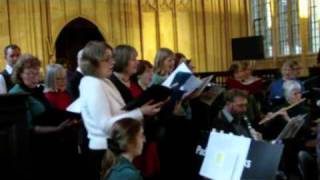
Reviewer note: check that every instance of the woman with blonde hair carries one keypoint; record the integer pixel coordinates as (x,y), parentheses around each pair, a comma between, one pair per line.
(163,65)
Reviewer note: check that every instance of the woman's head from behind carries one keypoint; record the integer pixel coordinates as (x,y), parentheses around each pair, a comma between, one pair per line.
(125,58)
(55,79)
(126,137)
(164,61)
(97,59)
(27,71)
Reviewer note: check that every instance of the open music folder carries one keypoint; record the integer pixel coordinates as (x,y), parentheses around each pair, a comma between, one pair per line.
(232,157)
(225,156)
(156,93)
(183,80)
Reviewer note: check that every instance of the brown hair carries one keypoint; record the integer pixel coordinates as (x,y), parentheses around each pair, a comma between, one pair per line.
(142,66)
(25,61)
(231,94)
(234,68)
(123,132)
(177,59)
(93,53)
(121,56)
(11,46)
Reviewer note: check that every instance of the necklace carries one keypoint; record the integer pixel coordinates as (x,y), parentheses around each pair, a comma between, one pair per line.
(126,82)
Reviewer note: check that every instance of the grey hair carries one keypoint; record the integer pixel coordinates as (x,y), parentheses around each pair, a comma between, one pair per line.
(289,86)
(50,80)
(79,56)
(121,56)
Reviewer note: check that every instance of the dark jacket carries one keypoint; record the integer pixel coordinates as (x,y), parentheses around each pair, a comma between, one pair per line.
(7,78)
(73,85)
(123,89)
(236,126)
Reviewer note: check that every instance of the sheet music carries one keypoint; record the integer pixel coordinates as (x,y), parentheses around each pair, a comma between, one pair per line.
(292,127)
(204,82)
(181,68)
(225,158)
(190,85)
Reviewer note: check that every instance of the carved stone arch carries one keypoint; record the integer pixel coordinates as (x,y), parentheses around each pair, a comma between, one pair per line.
(72,37)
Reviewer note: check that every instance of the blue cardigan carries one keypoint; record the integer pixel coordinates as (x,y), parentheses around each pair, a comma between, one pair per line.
(123,170)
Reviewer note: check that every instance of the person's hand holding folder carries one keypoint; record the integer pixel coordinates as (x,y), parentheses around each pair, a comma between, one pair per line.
(154,94)
(150,108)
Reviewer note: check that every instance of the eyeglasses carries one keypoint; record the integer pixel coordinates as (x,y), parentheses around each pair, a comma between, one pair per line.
(33,73)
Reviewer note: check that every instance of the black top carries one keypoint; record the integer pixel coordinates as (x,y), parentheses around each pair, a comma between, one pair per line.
(123,89)
(73,85)
(7,79)
(236,126)
(273,128)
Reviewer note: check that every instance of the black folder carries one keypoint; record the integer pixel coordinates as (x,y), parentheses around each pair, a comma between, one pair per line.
(262,161)
(180,79)
(156,93)
(53,117)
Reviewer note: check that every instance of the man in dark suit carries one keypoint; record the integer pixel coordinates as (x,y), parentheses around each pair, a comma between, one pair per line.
(232,118)
(73,83)
(11,55)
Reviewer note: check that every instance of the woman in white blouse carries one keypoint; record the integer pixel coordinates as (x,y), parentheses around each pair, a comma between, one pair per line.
(101,103)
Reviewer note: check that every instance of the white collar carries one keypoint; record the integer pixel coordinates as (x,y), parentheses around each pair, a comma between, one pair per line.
(9,69)
(227,114)
(79,70)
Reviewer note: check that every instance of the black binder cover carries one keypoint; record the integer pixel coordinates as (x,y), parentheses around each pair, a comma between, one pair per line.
(262,161)
(156,93)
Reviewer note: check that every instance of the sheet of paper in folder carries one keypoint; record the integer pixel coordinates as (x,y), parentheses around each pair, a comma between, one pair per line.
(182,79)
(225,157)
(231,157)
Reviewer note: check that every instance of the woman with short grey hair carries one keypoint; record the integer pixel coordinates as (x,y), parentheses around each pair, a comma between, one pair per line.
(292,91)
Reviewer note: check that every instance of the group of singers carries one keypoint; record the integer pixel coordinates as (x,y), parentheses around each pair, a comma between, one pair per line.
(156,140)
